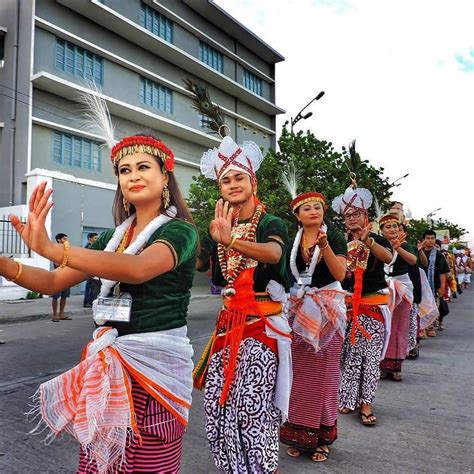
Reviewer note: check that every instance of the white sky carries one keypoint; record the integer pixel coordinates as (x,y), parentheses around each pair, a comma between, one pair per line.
(398,77)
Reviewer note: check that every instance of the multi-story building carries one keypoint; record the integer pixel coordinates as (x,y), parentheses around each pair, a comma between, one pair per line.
(137,52)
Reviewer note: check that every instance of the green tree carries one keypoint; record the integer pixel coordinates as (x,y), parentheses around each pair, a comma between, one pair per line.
(320,167)
(416,228)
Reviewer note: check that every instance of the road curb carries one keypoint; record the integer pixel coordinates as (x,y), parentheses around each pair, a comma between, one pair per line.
(35,317)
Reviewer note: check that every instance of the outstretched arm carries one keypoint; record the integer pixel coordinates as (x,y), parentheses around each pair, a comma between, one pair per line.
(40,280)
(135,269)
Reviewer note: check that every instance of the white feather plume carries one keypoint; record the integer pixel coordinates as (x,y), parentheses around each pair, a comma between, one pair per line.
(290,179)
(96,115)
(378,210)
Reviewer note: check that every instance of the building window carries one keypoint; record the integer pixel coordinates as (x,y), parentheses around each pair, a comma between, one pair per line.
(2,46)
(79,62)
(158,24)
(76,151)
(211,57)
(155,95)
(252,82)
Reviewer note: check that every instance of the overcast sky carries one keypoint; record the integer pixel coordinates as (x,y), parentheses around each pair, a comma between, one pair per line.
(398,77)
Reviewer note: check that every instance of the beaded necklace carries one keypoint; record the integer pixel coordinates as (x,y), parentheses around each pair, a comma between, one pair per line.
(357,255)
(127,237)
(307,251)
(231,275)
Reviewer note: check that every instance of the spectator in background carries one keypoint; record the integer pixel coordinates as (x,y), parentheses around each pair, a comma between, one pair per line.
(62,295)
(436,271)
(452,281)
(460,269)
(93,283)
(467,267)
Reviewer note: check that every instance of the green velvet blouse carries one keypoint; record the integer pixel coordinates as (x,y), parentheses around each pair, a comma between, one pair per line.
(162,302)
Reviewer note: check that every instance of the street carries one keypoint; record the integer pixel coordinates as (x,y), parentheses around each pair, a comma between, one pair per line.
(425,423)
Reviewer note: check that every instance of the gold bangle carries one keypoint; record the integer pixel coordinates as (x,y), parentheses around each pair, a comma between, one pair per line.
(373,243)
(65,254)
(324,248)
(18,273)
(231,243)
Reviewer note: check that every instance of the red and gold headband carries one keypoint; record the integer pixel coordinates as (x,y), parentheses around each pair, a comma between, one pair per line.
(143,144)
(388,218)
(304,198)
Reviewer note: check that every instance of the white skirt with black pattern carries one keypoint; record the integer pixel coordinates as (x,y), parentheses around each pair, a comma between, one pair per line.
(243,434)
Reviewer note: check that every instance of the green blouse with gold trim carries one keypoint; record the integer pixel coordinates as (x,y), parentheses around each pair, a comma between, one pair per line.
(162,302)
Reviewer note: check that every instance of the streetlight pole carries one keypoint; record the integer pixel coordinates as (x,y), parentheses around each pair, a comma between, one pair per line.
(393,185)
(308,115)
(430,215)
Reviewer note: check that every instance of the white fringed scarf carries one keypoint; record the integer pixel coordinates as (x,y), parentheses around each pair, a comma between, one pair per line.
(132,249)
(294,253)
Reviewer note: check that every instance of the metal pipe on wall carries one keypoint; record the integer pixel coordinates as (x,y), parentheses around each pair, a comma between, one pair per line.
(14,103)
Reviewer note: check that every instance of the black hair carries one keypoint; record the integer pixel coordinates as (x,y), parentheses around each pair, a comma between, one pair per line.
(176,197)
(429,232)
(60,236)
(92,234)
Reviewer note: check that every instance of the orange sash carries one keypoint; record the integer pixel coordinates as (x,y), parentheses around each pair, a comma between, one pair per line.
(369,306)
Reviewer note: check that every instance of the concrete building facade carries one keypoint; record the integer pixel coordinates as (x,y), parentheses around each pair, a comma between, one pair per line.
(137,53)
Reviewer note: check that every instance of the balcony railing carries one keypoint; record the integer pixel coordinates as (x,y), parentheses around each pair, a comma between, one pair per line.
(10,241)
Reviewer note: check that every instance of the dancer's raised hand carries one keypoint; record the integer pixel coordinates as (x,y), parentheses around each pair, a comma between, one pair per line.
(322,239)
(365,232)
(33,232)
(221,226)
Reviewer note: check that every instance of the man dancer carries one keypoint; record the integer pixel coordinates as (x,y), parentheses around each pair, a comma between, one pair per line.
(247,367)
(436,271)
(368,330)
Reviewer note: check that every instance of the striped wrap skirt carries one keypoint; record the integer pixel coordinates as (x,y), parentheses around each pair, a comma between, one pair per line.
(162,439)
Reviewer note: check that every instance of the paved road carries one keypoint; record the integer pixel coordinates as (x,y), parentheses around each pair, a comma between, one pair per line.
(425,423)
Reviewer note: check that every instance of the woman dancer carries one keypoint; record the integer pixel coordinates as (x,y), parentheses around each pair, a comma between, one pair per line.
(317,315)
(401,286)
(127,402)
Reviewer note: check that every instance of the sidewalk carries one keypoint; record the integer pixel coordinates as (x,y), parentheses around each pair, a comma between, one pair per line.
(17,311)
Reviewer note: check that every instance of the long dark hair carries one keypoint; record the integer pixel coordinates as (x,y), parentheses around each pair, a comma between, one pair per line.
(176,197)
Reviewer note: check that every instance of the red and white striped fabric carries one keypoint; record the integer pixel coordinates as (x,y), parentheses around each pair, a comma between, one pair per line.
(93,401)
(318,314)
(314,395)
(161,439)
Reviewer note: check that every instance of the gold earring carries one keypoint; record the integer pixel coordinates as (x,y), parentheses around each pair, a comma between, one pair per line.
(126,206)
(166,197)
